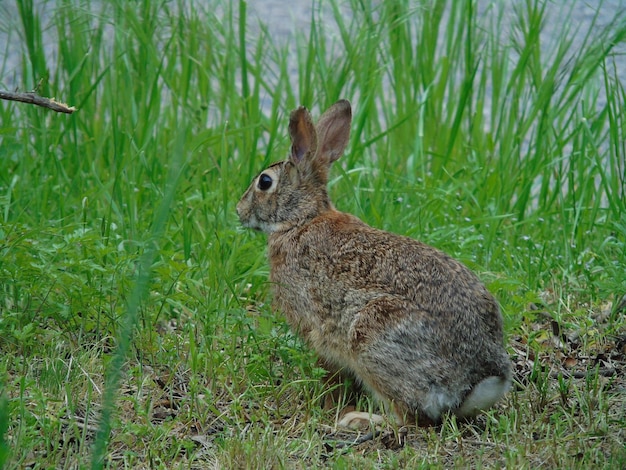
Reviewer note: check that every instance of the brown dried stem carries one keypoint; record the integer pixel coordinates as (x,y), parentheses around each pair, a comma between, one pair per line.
(33,98)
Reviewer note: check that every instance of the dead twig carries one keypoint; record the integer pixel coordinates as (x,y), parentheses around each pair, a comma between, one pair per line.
(34,98)
(80,423)
(358,441)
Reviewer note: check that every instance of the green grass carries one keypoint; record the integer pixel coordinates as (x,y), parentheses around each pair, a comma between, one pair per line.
(135,322)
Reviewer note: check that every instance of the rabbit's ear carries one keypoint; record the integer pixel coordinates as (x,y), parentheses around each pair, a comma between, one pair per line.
(333,131)
(303,135)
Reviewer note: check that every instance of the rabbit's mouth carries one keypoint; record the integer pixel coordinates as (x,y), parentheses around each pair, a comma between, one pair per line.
(250,220)
(247,220)
(251,223)
(262,226)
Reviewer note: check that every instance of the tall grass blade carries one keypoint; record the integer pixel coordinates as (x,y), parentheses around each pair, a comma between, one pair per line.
(129,322)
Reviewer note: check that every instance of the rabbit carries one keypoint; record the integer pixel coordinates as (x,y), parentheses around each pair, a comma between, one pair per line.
(412,326)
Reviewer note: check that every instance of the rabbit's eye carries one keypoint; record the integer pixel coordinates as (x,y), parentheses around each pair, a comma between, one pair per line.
(265,182)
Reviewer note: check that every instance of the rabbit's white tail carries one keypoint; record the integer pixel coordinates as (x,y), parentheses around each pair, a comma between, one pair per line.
(484,396)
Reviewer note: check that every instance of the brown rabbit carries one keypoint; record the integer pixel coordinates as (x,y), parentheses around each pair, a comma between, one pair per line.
(410,324)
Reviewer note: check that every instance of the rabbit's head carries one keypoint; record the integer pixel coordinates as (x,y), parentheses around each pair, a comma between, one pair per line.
(291,192)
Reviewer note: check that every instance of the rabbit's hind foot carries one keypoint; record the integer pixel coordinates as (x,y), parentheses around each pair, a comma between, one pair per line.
(360,420)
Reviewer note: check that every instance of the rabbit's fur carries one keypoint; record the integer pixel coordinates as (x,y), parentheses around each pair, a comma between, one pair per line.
(413,326)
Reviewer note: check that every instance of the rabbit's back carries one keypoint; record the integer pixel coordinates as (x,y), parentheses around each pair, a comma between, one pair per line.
(337,263)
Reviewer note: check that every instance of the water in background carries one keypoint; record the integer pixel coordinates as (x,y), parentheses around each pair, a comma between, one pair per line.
(285,20)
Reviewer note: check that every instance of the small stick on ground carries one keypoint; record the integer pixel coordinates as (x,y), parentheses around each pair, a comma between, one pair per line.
(359,440)
(33,98)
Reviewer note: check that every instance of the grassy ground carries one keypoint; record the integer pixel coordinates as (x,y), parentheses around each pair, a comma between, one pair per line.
(135,327)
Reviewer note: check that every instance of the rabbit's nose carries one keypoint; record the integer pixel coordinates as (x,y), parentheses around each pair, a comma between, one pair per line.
(241,210)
